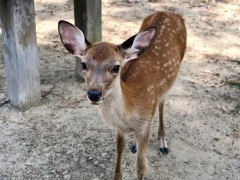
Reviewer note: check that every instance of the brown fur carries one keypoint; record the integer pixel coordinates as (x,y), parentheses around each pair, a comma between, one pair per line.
(145,68)
(144,82)
(129,100)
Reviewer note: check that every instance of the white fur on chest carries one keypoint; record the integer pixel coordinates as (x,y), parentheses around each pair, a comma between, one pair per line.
(115,115)
(113,111)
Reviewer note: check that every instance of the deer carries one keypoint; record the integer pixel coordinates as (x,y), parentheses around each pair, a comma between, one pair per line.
(130,81)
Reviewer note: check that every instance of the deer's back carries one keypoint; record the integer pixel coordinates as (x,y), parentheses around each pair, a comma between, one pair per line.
(151,75)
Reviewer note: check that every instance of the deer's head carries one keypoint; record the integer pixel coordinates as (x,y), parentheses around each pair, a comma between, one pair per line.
(102,61)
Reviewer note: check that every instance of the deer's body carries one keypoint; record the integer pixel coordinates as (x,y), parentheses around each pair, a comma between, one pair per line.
(145,80)
(128,98)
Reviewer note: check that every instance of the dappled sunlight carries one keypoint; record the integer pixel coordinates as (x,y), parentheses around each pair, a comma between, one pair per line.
(64,137)
(219,34)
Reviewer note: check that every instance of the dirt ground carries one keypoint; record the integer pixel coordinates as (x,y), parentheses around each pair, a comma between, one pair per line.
(65,138)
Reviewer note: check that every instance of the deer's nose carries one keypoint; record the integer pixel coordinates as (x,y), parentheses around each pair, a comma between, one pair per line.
(94,95)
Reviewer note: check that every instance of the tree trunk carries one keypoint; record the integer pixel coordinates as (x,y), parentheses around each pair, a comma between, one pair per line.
(20,52)
(88,18)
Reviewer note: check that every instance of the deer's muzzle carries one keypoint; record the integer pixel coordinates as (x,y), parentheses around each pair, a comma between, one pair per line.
(94,95)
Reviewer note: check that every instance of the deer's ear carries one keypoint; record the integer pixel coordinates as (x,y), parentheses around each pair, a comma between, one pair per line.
(137,44)
(72,38)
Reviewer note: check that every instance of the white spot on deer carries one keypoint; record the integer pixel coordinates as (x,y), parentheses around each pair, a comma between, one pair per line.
(167,44)
(164,55)
(155,52)
(163,81)
(165,64)
(150,88)
(166,20)
(153,17)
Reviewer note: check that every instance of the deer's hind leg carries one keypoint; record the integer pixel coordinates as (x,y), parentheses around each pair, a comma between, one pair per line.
(161,132)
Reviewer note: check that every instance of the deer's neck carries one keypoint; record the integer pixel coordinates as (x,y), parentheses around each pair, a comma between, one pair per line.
(113,107)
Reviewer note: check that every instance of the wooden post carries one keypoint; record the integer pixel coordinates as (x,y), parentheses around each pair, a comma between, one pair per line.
(20,52)
(88,18)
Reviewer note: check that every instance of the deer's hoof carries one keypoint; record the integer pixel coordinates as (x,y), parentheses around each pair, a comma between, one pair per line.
(133,149)
(164,150)
(163,145)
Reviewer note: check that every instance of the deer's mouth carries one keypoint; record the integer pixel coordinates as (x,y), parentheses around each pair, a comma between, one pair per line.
(96,102)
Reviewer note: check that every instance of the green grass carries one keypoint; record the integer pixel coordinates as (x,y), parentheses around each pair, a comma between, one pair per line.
(237,108)
(55,142)
(216,139)
(76,135)
(235,84)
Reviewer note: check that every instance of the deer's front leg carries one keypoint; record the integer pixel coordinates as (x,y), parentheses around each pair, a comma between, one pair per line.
(142,144)
(120,145)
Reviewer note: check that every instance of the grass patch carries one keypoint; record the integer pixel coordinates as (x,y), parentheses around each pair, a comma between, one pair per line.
(234,83)
(216,139)
(55,142)
(237,108)
(76,135)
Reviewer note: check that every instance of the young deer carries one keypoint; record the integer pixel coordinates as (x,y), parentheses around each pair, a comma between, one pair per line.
(129,81)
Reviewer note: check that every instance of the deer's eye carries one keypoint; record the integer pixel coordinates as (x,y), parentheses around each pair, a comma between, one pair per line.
(84,66)
(116,69)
